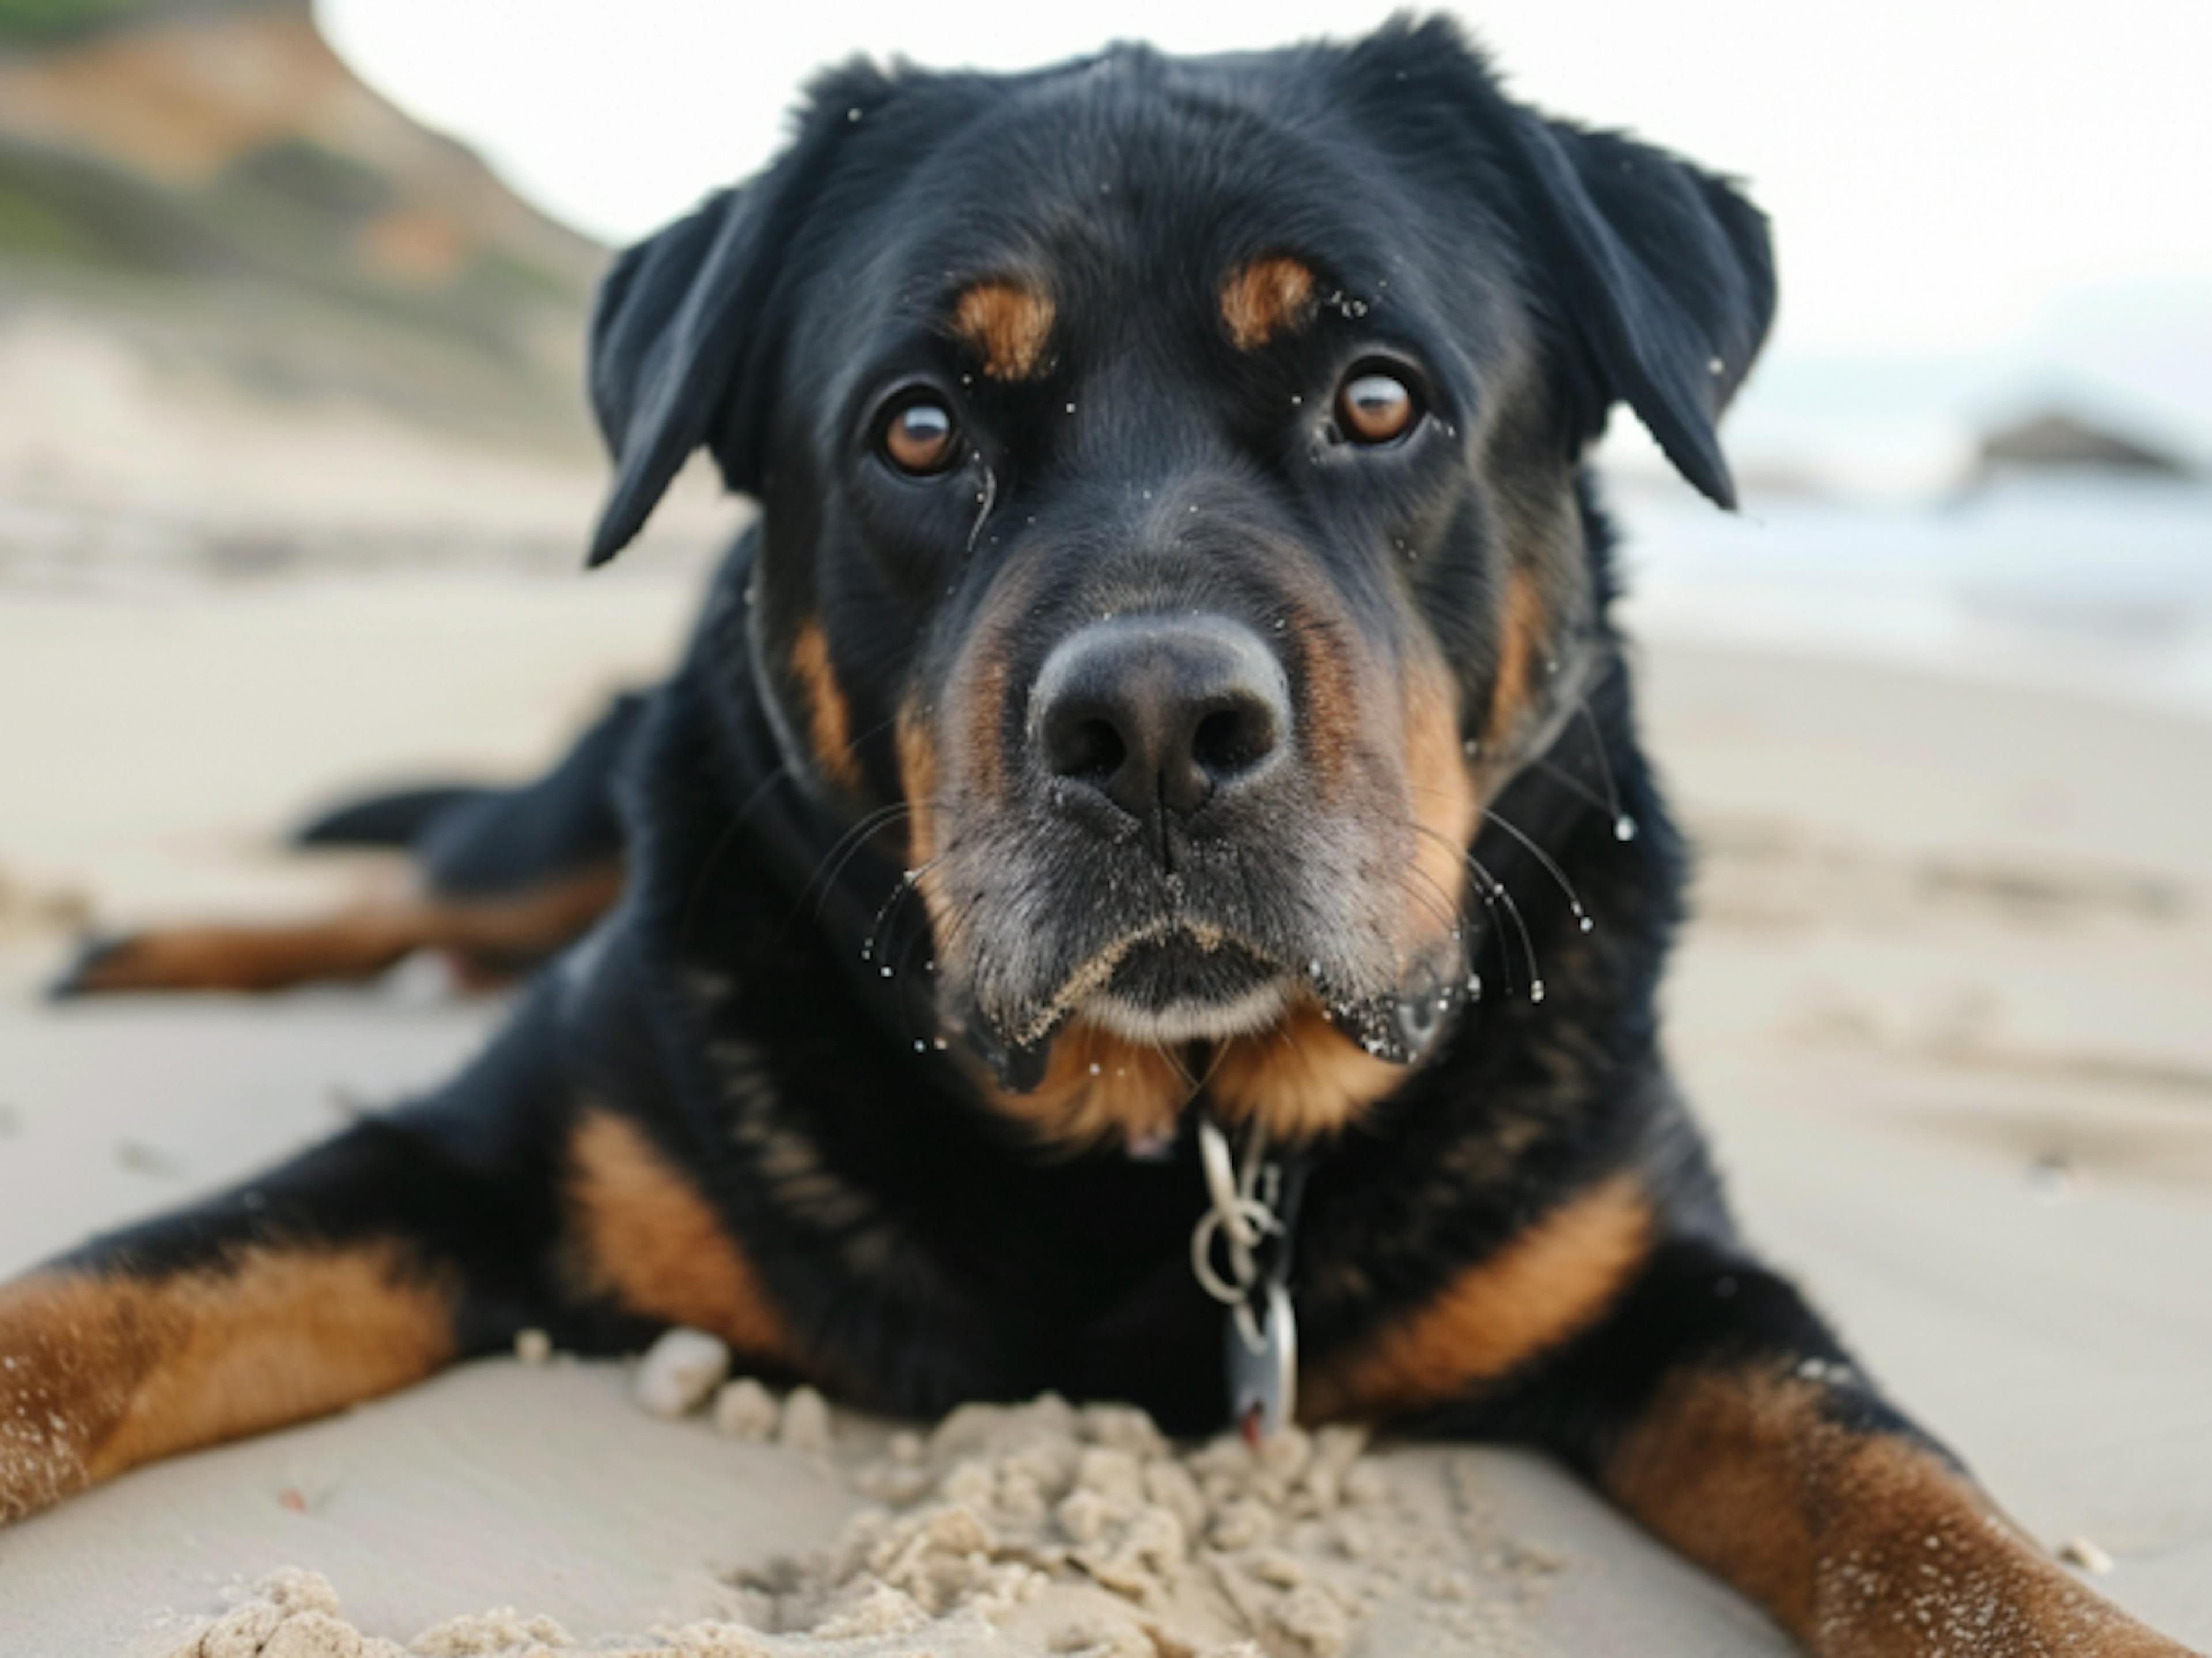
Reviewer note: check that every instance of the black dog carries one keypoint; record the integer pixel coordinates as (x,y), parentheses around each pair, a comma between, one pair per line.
(1167,700)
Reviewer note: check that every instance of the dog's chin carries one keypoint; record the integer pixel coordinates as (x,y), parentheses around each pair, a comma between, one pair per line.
(1189,1020)
(1177,989)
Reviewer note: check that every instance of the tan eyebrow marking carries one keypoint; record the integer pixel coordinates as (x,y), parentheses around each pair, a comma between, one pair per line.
(1265,298)
(1008,323)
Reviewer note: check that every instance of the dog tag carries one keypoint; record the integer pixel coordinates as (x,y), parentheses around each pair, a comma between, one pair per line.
(1262,1353)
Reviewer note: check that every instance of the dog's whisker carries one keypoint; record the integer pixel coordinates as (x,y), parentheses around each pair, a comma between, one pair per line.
(844,849)
(1493,893)
(1582,919)
(1440,903)
(1513,913)
(987,498)
(723,842)
(1624,826)
(907,881)
(1575,784)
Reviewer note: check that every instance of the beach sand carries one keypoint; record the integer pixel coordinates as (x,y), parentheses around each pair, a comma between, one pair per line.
(1944,1008)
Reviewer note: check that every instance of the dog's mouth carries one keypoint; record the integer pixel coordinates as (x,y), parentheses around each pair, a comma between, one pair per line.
(1179,982)
(1175,980)
(1188,987)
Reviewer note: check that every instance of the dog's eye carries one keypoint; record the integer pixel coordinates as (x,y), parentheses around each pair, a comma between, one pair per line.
(1373,407)
(922,439)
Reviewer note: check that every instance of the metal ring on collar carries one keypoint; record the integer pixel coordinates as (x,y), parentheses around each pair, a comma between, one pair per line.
(1256,1216)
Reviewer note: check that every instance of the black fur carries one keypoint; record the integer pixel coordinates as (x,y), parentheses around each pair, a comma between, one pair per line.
(929,1252)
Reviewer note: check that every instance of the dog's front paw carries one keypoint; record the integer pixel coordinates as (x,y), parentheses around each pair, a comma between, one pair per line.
(100,962)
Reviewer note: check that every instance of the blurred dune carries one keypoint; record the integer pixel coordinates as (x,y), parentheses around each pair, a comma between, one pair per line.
(250,311)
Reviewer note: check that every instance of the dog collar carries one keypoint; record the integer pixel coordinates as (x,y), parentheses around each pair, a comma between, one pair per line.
(1240,1253)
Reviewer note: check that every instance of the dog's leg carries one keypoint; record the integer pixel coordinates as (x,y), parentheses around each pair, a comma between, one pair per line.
(488,937)
(408,1241)
(330,1280)
(508,1201)
(1715,1407)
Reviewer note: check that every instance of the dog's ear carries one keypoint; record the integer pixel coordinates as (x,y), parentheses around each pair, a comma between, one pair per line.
(1664,275)
(680,353)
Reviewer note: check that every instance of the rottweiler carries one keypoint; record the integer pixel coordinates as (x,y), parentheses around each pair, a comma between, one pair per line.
(1144,882)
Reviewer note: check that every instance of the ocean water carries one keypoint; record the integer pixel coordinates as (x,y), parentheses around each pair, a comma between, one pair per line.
(2087,586)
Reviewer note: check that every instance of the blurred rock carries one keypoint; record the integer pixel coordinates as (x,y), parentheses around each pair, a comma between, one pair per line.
(2053,440)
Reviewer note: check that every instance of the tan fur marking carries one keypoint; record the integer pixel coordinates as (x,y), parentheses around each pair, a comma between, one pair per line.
(983,691)
(103,1374)
(1521,636)
(486,934)
(829,719)
(1330,722)
(1552,1281)
(1442,799)
(918,783)
(1267,298)
(1098,1087)
(1862,1545)
(1008,323)
(1303,1078)
(647,1238)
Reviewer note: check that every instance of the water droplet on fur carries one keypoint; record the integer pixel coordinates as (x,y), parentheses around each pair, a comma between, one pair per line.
(1536,990)
(1624,828)
(1096,1068)
(1475,987)
(920,1047)
(853,115)
(886,972)
(1586,924)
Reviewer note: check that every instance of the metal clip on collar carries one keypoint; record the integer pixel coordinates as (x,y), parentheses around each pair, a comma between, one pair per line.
(1250,1212)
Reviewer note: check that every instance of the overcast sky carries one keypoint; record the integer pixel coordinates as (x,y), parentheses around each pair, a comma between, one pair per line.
(1982,180)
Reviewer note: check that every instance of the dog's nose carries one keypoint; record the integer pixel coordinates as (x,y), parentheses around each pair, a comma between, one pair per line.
(1157,712)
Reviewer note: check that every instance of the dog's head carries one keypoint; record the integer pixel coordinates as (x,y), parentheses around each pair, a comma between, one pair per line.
(1168,475)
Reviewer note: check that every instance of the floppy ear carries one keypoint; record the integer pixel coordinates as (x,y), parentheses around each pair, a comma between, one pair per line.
(1667,277)
(679,355)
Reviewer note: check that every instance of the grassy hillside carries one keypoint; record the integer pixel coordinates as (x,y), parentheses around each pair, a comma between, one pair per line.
(211,182)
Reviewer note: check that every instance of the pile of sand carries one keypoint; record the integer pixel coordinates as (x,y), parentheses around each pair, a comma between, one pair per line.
(1042,1527)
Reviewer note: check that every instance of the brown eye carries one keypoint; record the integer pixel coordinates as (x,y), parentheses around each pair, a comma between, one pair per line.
(1374,407)
(922,438)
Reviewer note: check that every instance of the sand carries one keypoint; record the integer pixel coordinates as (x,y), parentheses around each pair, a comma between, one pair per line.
(1944,1008)
(1041,1527)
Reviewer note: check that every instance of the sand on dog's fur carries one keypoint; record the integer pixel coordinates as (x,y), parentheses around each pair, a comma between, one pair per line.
(1039,1528)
